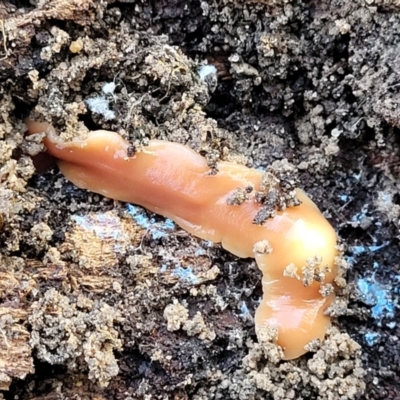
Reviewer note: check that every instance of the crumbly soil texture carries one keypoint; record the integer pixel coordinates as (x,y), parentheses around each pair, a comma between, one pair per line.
(104,300)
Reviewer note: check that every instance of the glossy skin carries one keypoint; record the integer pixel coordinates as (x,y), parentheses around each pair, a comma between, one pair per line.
(172,180)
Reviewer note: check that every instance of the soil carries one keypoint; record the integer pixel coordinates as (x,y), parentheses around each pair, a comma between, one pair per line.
(104,300)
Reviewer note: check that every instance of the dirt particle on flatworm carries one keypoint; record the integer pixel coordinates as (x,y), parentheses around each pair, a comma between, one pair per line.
(131,151)
(291,271)
(262,247)
(312,271)
(263,215)
(212,157)
(277,191)
(238,197)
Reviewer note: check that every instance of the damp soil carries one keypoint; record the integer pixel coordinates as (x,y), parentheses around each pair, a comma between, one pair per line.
(101,299)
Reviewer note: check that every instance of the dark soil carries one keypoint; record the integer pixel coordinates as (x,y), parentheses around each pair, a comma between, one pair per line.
(100,299)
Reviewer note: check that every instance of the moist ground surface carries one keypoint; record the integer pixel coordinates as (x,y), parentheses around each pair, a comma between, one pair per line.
(105,300)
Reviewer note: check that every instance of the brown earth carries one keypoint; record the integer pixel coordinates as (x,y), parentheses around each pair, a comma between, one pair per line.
(103,300)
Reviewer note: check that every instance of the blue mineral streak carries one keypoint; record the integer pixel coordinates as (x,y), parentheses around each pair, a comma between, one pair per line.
(100,225)
(378,296)
(373,293)
(244,311)
(372,338)
(156,229)
(186,274)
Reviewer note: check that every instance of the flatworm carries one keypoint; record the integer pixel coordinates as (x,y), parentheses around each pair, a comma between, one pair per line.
(295,250)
